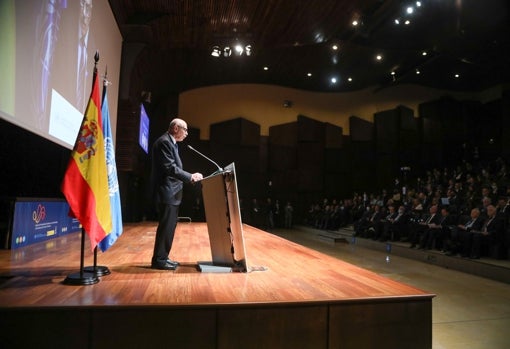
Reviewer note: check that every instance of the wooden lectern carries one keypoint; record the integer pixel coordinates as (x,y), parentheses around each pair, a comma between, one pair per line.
(224,224)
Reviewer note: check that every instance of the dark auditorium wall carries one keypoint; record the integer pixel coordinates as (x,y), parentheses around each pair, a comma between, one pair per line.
(299,161)
(31,165)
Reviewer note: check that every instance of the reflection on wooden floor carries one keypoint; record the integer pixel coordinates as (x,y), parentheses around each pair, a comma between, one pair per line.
(294,296)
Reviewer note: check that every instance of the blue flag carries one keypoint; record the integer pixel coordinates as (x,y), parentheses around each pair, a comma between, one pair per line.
(113,183)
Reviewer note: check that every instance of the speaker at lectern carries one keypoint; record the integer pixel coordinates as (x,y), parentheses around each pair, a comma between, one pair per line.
(224,224)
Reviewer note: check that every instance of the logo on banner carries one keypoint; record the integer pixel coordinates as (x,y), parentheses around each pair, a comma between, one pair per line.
(39,214)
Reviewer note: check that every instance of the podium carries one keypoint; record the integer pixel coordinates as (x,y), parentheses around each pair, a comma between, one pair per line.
(224,224)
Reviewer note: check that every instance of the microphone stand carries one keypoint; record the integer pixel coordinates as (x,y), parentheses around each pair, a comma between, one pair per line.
(205,157)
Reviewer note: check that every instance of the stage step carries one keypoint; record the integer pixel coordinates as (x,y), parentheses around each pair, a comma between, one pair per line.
(485,267)
(332,237)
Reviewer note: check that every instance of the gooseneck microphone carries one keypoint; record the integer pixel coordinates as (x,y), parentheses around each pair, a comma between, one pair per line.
(205,157)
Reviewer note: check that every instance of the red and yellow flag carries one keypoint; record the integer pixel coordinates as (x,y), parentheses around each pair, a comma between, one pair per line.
(85,183)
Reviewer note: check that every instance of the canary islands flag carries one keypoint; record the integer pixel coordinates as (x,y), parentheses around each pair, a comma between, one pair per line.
(85,183)
(113,182)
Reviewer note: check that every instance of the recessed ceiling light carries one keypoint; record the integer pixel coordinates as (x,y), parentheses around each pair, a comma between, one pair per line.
(397,21)
(333,80)
(410,10)
(378,57)
(349,79)
(407,22)
(417,72)
(457,75)
(266,68)
(418,3)
(424,53)
(355,23)
(309,74)
(334,47)
(392,73)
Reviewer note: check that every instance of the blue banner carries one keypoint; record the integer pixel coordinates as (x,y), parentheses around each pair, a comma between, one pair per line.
(35,221)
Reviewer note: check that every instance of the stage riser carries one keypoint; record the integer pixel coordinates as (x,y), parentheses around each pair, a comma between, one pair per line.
(399,324)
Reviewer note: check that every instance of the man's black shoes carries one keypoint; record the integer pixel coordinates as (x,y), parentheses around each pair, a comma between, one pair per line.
(169,261)
(166,266)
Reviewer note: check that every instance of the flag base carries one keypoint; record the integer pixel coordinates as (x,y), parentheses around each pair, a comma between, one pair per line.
(81,278)
(98,270)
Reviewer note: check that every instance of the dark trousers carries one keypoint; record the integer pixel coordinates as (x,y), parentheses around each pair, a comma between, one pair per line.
(168,215)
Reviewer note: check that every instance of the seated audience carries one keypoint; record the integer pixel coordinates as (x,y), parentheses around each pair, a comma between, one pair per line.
(491,233)
(461,232)
(419,229)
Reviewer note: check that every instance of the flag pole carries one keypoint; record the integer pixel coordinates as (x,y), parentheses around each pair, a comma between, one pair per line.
(98,270)
(84,277)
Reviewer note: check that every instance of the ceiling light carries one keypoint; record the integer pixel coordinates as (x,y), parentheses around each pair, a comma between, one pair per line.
(424,53)
(417,72)
(378,57)
(418,3)
(333,80)
(392,73)
(309,74)
(266,68)
(410,10)
(215,51)
(457,76)
(355,23)
(349,79)
(397,21)
(407,22)
(334,47)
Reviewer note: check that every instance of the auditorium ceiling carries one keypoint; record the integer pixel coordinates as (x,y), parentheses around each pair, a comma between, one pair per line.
(316,45)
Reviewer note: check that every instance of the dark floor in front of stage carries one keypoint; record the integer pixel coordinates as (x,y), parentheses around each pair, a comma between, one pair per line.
(469,312)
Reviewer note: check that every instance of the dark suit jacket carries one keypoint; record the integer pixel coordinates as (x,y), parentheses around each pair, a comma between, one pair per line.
(495,228)
(167,173)
(476,225)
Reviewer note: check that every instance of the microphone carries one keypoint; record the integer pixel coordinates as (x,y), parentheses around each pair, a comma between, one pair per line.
(205,157)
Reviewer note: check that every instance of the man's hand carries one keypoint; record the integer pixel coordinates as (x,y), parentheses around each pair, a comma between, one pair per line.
(195,177)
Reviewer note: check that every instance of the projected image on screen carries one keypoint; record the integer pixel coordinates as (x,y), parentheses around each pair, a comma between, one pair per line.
(143,137)
(50,44)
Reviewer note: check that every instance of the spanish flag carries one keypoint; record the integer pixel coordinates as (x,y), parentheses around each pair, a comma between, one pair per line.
(85,183)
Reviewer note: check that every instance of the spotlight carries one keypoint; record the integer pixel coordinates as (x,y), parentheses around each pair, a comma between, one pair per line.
(215,51)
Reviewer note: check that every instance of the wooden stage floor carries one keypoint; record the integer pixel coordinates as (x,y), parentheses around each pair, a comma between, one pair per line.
(292,297)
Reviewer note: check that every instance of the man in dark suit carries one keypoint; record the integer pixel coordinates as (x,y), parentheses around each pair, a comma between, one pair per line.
(492,232)
(461,233)
(436,235)
(418,230)
(167,181)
